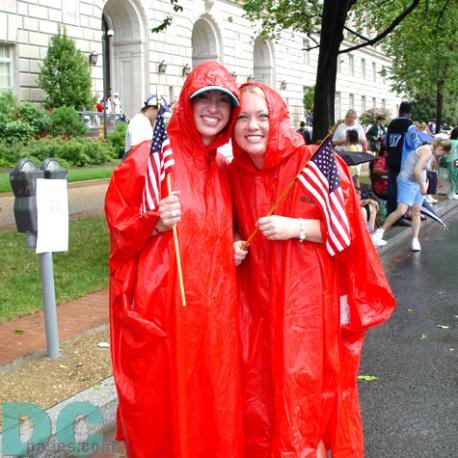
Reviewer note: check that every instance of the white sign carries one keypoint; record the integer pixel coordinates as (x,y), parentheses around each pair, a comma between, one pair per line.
(52,209)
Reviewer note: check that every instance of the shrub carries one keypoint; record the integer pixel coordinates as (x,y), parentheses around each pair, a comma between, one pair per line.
(67,122)
(65,75)
(117,138)
(75,151)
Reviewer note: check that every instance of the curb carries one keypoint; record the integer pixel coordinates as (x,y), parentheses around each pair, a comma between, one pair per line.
(398,237)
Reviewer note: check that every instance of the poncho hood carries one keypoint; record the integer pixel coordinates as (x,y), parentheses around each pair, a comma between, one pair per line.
(182,125)
(283,139)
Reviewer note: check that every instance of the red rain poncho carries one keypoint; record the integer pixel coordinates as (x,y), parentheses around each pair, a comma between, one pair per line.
(299,364)
(177,370)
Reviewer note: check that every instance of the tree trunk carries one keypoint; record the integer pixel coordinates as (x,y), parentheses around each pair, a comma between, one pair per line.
(439,84)
(332,26)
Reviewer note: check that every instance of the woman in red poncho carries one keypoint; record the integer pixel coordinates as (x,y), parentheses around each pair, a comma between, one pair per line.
(300,359)
(177,369)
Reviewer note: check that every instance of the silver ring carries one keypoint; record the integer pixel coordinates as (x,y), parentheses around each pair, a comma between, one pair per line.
(173,213)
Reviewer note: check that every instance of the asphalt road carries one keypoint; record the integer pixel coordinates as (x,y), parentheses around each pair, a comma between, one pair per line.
(411,411)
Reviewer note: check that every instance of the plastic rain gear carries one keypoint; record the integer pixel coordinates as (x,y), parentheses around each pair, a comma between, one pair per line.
(177,370)
(299,362)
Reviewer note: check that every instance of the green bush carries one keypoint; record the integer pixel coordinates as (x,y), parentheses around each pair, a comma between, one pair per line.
(75,151)
(20,121)
(66,121)
(65,74)
(117,138)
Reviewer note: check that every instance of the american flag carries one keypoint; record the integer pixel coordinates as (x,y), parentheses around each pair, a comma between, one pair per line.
(159,161)
(321,179)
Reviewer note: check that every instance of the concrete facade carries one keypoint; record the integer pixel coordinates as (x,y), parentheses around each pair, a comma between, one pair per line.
(206,29)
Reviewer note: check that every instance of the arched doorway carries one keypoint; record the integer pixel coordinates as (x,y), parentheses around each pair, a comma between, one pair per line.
(124,56)
(205,43)
(263,58)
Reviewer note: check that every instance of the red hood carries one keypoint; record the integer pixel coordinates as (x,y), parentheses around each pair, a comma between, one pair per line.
(182,125)
(283,139)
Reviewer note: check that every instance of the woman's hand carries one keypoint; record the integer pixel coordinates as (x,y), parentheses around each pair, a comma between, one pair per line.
(278,227)
(169,212)
(239,252)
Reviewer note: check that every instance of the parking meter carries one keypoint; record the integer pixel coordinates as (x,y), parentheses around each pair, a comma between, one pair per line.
(23,181)
(52,169)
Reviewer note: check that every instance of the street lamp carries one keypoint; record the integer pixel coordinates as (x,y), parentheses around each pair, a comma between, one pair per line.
(107,34)
(93,57)
(186,70)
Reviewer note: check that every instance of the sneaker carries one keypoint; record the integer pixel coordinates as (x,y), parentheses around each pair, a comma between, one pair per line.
(377,238)
(415,245)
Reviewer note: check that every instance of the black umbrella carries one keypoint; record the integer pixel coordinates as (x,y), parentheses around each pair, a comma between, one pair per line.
(356,157)
(427,210)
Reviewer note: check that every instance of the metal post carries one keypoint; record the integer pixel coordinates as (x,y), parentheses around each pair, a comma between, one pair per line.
(104,65)
(49,304)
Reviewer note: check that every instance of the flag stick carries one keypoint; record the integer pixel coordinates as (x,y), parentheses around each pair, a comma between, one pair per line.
(282,196)
(177,250)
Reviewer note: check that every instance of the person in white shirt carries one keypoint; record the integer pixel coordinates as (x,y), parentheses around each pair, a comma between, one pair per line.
(339,139)
(140,127)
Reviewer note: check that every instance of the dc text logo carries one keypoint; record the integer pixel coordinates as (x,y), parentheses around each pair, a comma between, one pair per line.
(77,413)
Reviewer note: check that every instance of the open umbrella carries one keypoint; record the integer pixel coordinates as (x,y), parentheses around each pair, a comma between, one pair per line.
(356,157)
(427,210)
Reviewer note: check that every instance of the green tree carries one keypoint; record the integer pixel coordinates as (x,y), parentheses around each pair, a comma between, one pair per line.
(309,96)
(65,75)
(424,49)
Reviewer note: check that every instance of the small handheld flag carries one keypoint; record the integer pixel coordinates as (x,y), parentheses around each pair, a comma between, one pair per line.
(320,178)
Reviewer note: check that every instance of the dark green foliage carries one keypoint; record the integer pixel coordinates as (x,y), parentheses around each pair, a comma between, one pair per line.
(75,151)
(117,138)
(65,75)
(20,121)
(67,122)
(368,117)
(309,96)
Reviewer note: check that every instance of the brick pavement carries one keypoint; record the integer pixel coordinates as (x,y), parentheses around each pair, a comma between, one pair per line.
(73,317)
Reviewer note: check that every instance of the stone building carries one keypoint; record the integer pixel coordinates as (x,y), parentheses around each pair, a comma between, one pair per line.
(139,62)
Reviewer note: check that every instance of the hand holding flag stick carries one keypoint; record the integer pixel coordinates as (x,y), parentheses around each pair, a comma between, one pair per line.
(319,176)
(159,166)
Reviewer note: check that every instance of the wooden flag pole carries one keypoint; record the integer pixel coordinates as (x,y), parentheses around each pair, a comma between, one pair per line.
(177,250)
(282,196)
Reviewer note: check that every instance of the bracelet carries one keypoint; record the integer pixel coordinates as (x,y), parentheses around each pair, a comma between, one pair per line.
(302,235)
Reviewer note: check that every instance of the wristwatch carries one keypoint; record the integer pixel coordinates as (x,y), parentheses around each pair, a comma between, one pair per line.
(302,235)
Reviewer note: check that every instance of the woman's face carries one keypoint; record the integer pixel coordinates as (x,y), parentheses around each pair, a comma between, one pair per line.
(251,130)
(350,119)
(211,111)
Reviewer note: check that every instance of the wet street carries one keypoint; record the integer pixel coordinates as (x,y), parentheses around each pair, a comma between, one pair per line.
(411,411)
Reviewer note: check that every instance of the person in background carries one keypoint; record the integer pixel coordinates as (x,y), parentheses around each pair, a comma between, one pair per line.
(140,127)
(400,139)
(353,145)
(177,369)
(375,134)
(305,133)
(339,139)
(300,357)
(116,104)
(453,165)
(412,187)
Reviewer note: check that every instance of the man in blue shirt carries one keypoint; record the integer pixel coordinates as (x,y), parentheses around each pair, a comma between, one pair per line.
(400,140)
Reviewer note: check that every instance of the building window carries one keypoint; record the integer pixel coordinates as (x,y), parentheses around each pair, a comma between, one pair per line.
(363,103)
(305,47)
(351,64)
(363,68)
(383,103)
(374,72)
(374,102)
(6,67)
(337,105)
(384,74)
(351,101)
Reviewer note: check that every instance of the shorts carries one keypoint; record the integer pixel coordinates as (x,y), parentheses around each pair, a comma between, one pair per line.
(409,192)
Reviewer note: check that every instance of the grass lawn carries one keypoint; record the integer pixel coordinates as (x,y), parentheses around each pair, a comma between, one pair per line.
(81,270)
(74,174)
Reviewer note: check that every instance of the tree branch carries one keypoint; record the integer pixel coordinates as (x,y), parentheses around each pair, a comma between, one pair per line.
(390,28)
